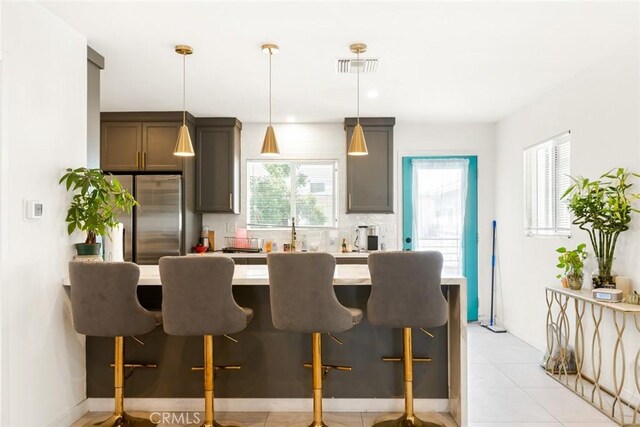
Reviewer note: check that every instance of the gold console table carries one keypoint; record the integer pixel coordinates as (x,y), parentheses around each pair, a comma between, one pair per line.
(598,380)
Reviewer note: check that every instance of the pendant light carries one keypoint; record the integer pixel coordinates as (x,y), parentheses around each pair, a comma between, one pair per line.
(358,146)
(184,147)
(270,144)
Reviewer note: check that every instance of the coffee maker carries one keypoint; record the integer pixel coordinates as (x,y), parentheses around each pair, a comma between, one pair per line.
(373,240)
(367,238)
(360,243)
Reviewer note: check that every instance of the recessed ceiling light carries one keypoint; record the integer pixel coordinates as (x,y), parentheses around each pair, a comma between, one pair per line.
(291,119)
(372,93)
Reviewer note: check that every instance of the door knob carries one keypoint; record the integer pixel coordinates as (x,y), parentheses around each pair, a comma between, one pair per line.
(408,239)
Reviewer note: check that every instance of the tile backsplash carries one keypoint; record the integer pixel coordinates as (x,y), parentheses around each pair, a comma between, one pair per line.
(328,240)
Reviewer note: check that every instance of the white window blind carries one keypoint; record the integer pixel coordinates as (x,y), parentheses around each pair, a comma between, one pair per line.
(280,190)
(546,176)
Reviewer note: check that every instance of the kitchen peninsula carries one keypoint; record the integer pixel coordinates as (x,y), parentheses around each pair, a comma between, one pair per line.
(272,378)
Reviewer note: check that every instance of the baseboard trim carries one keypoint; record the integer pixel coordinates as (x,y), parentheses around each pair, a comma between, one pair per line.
(268,405)
(527,338)
(71,415)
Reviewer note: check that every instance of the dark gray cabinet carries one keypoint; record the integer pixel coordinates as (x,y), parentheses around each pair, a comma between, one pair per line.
(218,165)
(120,146)
(140,141)
(370,177)
(158,142)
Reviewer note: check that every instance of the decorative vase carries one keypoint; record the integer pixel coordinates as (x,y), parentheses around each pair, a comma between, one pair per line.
(88,248)
(565,282)
(575,280)
(603,276)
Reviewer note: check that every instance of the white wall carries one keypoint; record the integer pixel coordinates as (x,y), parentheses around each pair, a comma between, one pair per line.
(601,107)
(44,107)
(328,141)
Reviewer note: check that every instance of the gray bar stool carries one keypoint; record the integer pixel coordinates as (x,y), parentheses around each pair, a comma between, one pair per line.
(197,300)
(104,304)
(406,293)
(303,300)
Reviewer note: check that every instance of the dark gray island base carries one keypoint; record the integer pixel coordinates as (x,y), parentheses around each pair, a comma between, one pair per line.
(272,361)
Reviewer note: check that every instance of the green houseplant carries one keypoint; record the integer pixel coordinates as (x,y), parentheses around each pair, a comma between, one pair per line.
(97,201)
(572,263)
(603,208)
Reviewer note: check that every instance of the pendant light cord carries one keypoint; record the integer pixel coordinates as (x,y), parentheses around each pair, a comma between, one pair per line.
(270,55)
(184,89)
(358,88)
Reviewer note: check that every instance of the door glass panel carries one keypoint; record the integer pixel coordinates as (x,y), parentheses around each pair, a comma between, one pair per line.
(439,201)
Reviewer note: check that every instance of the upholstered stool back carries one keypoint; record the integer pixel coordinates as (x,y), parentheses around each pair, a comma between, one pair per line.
(302,295)
(104,300)
(405,290)
(197,297)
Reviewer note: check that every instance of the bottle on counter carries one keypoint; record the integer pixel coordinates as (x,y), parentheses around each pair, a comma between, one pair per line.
(344,246)
(267,247)
(204,237)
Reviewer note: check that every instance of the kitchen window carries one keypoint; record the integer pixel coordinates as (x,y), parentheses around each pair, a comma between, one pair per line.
(282,189)
(546,169)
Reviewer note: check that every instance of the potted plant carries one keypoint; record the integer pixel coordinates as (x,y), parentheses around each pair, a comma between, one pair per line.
(572,263)
(96,203)
(603,208)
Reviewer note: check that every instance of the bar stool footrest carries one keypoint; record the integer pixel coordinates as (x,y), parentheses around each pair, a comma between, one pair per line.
(219,368)
(399,359)
(327,368)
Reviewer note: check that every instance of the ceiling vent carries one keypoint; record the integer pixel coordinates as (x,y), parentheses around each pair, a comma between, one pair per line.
(351,65)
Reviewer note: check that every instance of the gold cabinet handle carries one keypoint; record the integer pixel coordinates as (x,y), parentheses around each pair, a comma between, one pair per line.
(349,200)
(231,201)
(144,160)
(137,160)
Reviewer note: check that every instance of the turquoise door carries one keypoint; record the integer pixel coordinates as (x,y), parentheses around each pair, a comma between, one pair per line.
(460,254)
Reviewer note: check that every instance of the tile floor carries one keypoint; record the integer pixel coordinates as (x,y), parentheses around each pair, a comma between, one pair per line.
(507,388)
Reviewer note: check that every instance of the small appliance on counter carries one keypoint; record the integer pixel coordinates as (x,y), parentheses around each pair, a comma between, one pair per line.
(360,243)
(373,239)
(367,238)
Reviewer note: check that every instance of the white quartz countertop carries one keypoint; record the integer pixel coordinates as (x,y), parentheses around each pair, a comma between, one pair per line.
(360,255)
(259,275)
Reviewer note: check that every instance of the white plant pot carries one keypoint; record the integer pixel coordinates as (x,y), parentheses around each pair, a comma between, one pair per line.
(114,244)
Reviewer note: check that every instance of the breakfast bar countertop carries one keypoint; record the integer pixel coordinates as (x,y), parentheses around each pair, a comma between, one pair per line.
(259,275)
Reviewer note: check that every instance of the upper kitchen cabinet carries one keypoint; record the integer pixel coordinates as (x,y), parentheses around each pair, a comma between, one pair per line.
(370,177)
(132,142)
(218,165)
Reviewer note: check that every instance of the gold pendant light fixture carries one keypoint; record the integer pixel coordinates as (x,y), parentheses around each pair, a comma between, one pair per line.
(184,147)
(358,146)
(270,144)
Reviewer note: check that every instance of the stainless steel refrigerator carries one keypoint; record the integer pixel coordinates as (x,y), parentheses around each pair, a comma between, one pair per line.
(154,229)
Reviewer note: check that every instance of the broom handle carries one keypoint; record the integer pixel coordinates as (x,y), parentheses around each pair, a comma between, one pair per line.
(493,268)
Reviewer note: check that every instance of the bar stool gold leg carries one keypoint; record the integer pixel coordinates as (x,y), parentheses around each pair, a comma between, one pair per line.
(408,419)
(119,417)
(316,339)
(209,371)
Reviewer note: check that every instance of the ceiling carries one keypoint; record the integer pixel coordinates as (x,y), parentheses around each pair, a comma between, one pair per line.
(439,61)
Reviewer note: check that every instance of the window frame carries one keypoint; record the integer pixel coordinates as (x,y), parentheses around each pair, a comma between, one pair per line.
(333,162)
(530,188)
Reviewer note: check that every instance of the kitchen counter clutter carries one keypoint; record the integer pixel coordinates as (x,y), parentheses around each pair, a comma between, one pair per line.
(272,377)
(337,255)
